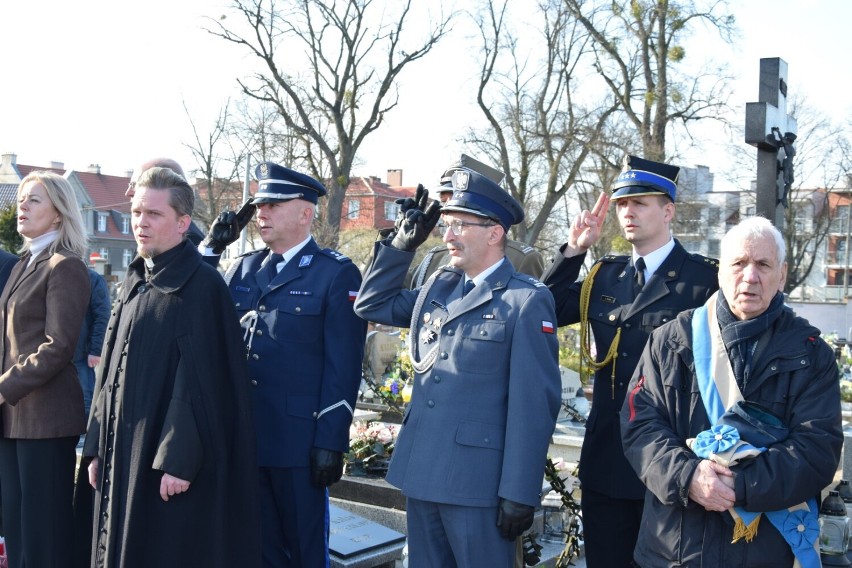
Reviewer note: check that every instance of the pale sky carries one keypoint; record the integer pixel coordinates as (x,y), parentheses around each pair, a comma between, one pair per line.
(76,88)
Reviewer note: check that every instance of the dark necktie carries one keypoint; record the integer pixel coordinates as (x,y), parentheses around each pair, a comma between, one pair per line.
(271,266)
(468,286)
(640,273)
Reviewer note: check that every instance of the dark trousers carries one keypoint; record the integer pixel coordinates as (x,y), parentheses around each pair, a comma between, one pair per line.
(294,519)
(610,529)
(37,481)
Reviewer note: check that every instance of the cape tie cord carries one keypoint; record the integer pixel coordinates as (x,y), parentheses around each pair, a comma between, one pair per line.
(586,357)
(421,365)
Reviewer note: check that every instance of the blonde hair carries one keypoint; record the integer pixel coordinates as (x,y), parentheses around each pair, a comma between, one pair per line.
(72,233)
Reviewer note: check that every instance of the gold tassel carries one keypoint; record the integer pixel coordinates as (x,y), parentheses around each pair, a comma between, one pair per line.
(748,532)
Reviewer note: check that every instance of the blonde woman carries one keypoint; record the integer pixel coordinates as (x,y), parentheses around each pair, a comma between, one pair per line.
(41,402)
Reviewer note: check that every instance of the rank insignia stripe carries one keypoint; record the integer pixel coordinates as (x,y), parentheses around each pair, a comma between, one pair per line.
(488,316)
(301,293)
(608,299)
(242,289)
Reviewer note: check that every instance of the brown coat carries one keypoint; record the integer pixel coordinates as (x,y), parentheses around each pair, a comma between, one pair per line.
(42,308)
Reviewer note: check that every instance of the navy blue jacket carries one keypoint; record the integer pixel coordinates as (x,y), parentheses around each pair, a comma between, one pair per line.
(304,351)
(683,281)
(95,323)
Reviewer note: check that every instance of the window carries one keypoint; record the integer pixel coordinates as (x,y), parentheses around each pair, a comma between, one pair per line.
(391,210)
(354,208)
(750,211)
(102,222)
(126,257)
(713,248)
(104,252)
(125,224)
(713,216)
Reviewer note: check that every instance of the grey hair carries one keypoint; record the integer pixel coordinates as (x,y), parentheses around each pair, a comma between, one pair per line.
(753,228)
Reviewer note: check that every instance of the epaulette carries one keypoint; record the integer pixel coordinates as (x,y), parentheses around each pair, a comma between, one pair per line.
(526,278)
(339,257)
(251,252)
(521,247)
(615,258)
(704,260)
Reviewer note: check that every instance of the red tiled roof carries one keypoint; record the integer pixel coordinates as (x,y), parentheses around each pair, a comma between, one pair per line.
(27,170)
(359,186)
(107,192)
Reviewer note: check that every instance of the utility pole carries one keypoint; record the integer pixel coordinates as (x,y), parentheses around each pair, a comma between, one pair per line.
(772,131)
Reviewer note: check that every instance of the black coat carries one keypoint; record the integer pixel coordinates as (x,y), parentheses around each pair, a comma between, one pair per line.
(173,396)
(683,281)
(794,375)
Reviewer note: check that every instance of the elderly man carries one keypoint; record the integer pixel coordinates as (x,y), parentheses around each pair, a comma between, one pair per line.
(471,452)
(710,384)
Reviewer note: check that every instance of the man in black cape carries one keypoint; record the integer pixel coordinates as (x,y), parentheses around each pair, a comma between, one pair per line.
(171,430)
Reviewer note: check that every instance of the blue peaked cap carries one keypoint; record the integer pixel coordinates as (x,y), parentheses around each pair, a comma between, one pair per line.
(277,183)
(474,193)
(644,177)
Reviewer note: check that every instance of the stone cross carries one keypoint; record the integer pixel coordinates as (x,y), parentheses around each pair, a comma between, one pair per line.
(769,128)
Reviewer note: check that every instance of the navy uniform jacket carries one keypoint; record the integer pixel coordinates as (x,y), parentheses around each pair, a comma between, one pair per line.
(305,351)
(480,420)
(683,281)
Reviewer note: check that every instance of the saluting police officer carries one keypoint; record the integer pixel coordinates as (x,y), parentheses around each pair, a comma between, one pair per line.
(523,257)
(305,345)
(622,300)
(471,452)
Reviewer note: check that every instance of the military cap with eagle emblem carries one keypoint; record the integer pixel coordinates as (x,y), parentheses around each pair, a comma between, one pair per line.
(466,161)
(277,183)
(476,194)
(644,177)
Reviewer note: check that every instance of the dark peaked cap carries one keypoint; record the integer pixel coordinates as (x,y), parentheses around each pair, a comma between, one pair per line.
(644,177)
(476,194)
(277,183)
(466,161)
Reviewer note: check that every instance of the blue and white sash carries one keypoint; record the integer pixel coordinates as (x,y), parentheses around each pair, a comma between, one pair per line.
(799,524)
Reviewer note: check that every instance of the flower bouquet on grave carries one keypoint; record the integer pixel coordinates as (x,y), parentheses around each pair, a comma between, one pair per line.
(370,448)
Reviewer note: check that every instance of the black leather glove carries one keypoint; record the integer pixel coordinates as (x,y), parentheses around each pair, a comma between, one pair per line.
(227,227)
(418,221)
(326,467)
(513,518)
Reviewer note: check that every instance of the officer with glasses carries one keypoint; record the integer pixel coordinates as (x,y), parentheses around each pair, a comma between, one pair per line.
(470,456)
(523,257)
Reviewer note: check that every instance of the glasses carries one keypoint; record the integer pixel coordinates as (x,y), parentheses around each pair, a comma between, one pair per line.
(457,226)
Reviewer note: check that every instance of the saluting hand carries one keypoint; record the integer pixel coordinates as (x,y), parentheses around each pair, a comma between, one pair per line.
(586,228)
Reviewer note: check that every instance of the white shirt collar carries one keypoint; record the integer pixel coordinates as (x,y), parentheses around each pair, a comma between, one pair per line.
(290,253)
(653,260)
(480,278)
